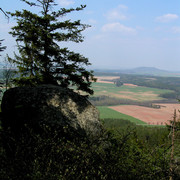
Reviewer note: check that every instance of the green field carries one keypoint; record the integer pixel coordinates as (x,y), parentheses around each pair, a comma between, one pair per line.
(107,113)
(138,93)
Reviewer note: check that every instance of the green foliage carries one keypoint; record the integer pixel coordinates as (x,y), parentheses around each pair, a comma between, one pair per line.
(174,135)
(151,135)
(112,101)
(49,155)
(119,83)
(40,59)
(170,95)
(41,151)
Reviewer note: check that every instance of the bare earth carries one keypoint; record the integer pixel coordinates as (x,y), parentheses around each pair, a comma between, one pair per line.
(107,77)
(127,84)
(149,115)
(101,79)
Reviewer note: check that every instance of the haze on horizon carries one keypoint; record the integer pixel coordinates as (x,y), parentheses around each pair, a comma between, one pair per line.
(124,34)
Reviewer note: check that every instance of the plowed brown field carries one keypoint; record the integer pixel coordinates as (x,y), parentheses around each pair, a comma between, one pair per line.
(149,115)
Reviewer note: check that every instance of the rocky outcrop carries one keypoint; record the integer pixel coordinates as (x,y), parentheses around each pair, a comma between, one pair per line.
(50,105)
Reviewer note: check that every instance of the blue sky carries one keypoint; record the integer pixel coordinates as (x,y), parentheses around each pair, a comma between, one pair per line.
(123,33)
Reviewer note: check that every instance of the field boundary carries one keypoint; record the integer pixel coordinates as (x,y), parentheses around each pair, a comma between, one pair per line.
(108,113)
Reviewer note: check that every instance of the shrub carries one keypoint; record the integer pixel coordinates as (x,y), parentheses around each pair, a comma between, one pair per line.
(114,155)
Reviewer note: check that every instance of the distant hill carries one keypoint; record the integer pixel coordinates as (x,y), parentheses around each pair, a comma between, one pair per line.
(152,71)
(146,70)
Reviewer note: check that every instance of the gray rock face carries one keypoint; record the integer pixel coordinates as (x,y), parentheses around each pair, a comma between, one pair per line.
(51,105)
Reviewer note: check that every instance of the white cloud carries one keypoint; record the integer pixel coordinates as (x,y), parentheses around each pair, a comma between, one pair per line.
(167,18)
(117,27)
(176,29)
(117,13)
(65,2)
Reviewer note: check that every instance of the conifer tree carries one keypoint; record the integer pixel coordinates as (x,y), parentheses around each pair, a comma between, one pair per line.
(41,60)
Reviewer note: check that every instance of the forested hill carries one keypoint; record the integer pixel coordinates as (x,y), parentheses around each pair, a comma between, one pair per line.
(141,71)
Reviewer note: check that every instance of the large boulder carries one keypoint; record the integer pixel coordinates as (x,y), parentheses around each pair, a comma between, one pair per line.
(50,105)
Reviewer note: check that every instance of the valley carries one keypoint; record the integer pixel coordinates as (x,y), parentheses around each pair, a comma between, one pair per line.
(132,101)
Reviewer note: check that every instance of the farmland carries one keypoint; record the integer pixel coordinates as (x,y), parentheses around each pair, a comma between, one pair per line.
(151,116)
(134,113)
(128,91)
(109,113)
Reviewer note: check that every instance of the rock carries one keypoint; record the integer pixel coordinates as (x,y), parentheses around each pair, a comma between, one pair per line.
(50,105)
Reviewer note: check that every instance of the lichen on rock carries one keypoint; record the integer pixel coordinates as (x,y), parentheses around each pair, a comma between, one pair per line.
(51,105)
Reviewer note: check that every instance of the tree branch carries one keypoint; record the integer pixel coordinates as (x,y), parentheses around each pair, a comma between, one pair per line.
(4,13)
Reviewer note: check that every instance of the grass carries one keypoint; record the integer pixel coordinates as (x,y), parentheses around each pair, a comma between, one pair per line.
(129,92)
(107,113)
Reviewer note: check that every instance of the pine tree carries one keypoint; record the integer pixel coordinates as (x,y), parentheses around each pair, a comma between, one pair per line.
(41,60)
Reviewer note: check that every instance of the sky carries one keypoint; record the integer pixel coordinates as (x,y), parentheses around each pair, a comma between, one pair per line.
(124,34)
